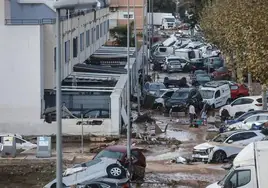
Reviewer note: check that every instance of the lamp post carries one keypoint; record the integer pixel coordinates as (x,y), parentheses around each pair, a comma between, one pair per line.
(63,5)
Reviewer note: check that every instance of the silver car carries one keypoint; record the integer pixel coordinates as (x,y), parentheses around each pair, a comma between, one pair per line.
(91,170)
(174,66)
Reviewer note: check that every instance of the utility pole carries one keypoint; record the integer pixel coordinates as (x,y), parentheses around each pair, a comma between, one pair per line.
(149,36)
(143,40)
(128,90)
(136,56)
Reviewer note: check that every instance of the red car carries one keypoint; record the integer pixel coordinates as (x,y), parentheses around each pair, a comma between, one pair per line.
(120,152)
(221,73)
(239,90)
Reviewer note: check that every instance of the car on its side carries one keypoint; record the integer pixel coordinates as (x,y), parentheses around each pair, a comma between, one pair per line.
(119,152)
(243,104)
(225,145)
(91,170)
(246,124)
(106,183)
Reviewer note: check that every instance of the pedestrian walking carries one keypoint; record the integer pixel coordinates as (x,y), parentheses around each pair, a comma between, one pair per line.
(192,114)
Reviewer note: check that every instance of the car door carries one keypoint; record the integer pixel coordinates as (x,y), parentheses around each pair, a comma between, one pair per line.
(236,106)
(232,145)
(250,137)
(166,96)
(262,118)
(218,99)
(248,104)
(247,123)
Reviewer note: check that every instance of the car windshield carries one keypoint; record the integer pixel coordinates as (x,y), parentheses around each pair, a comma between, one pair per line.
(207,94)
(156,87)
(174,62)
(201,77)
(180,95)
(109,154)
(220,138)
(170,19)
(221,183)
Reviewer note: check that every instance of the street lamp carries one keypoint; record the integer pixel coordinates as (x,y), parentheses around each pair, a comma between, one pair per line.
(60,5)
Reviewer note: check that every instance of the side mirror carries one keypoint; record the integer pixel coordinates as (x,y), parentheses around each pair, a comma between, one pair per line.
(230,141)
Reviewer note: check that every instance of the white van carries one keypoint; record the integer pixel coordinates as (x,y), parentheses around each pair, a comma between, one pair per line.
(216,94)
(168,22)
(249,169)
(188,53)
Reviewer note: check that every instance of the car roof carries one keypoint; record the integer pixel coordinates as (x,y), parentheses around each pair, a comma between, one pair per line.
(239,131)
(251,97)
(264,114)
(118,148)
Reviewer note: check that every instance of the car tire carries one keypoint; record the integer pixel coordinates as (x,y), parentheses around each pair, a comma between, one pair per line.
(115,171)
(159,107)
(54,185)
(219,157)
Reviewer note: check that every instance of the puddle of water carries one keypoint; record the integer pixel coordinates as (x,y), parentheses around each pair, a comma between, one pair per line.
(179,135)
(167,155)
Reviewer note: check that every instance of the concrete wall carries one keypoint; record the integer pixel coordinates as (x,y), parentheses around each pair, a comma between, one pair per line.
(72,28)
(20,73)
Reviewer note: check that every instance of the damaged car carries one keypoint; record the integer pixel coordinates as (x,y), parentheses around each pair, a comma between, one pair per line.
(94,169)
(225,146)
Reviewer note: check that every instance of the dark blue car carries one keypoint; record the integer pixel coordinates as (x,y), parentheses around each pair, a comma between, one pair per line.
(244,116)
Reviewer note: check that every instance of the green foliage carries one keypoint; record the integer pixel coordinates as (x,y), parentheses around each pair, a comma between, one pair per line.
(119,33)
(240,29)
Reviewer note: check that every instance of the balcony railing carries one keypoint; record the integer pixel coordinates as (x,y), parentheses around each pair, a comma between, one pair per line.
(45,20)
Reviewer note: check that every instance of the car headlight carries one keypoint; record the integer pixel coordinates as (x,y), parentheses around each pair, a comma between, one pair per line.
(209,150)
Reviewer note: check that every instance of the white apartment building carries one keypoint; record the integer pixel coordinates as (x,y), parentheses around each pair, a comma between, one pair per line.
(27,52)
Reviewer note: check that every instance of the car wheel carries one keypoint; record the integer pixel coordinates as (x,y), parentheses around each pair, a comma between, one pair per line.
(159,107)
(54,185)
(219,157)
(115,171)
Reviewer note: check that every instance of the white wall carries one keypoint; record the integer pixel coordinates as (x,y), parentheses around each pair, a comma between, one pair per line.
(2,12)
(70,29)
(20,74)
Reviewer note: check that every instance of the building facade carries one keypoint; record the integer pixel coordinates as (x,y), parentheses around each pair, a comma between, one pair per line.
(28,53)
(119,14)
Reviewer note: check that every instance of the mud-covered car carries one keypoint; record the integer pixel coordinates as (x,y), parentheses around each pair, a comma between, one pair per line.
(119,152)
(91,170)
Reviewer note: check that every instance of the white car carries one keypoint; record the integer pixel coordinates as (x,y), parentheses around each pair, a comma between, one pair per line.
(21,144)
(243,104)
(172,58)
(225,146)
(91,170)
(257,119)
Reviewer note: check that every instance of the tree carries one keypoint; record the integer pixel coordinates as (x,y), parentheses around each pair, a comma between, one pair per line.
(119,33)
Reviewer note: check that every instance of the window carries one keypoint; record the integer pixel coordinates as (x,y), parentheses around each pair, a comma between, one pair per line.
(169,94)
(97,32)
(162,49)
(237,102)
(67,51)
(87,38)
(105,114)
(109,154)
(105,27)
(55,58)
(108,25)
(236,137)
(19,141)
(82,45)
(75,47)
(261,117)
(92,36)
(101,29)
(92,114)
(240,178)
(126,15)
(251,119)
(217,94)
(234,87)
(248,135)
(247,101)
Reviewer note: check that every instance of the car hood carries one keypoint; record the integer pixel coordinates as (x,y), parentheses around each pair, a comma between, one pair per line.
(237,125)
(205,146)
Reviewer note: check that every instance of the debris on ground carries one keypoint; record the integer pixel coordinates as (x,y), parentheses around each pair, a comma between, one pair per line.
(158,141)
(182,160)
(144,118)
